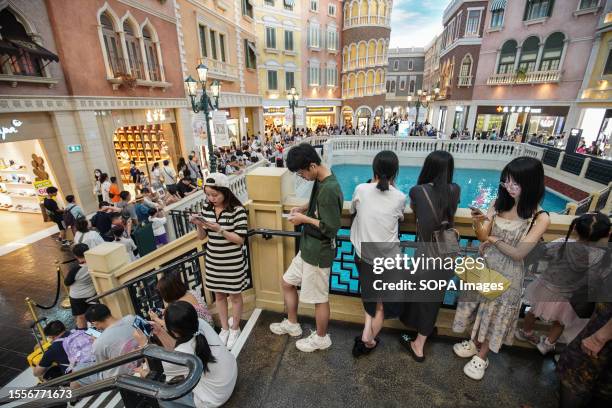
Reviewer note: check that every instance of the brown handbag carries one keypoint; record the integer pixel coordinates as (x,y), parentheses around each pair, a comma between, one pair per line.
(446,238)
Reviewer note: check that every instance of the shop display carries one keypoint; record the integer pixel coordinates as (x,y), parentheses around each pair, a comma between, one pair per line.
(17,192)
(143,144)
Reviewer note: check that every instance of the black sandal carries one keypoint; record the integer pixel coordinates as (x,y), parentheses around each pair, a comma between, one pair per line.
(360,348)
(405,341)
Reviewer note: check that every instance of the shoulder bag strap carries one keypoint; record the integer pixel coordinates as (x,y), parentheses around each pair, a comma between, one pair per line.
(433,210)
(533,220)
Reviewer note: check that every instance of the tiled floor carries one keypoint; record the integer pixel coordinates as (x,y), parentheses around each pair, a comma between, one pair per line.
(26,272)
(273,373)
(21,225)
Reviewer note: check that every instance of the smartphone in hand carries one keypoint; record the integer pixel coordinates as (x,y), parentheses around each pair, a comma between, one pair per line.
(144,326)
(476,210)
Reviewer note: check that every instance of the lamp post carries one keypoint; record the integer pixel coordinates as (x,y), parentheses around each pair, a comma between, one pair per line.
(423,98)
(205,105)
(293,97)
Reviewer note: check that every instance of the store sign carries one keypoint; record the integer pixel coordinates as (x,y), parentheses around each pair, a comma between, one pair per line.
(4,131)
(289,116)
(300,117)
(219,128)
(41,187)
(274,111)
(546,123)
(518,109)
(156,115)
(320,110)
(75,148)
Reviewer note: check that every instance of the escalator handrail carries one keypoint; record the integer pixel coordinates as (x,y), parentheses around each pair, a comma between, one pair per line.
(142,386)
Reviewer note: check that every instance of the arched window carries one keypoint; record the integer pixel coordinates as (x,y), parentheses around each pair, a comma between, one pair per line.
(19,54)
(361,55)
(133,49)
(466,66)
(411,87)
(151,54)
(370,83)
(529,54)
(392,87)
(363,12)
(553,49)
(112,45)
(507,57)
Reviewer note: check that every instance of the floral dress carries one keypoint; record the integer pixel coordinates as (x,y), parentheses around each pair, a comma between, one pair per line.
(495,320)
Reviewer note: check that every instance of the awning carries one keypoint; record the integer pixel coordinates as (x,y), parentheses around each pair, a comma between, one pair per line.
(289,3)
(33,49)
(498,5)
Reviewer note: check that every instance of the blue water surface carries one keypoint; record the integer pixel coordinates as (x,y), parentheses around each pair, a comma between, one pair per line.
(478,187)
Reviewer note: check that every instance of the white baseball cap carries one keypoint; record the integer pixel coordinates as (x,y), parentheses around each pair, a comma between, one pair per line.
(217,180)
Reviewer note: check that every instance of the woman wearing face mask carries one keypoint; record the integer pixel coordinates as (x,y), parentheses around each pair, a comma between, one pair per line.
(508,232)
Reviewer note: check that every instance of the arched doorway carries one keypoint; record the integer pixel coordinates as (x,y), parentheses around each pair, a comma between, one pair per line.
(347,116)
(364,119)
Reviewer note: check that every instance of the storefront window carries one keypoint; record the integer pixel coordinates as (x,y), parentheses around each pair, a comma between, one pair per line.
(487,123)
(545,125)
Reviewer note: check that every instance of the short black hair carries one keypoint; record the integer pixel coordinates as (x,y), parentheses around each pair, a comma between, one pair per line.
(51,190)
(124,195)
(115,215)
(104,204)
(82,225)
(152,211)
(113,179)
(70,198)
(166,162)
(54,328)
(300,157)
(97,313)
(145,190)
(79,250)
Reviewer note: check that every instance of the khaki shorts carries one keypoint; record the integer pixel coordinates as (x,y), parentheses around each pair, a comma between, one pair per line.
(314,281)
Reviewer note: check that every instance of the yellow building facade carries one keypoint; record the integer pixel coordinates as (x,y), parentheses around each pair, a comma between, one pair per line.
(279,38)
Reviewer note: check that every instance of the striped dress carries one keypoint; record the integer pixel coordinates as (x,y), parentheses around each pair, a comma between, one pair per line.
(225,261)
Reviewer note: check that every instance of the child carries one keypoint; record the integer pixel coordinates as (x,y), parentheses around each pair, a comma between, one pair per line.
(158,219)
(114,191)
(565,273)
(118,232)
(80,286)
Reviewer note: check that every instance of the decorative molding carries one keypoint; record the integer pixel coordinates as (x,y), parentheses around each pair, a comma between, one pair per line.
(237,100)
(10,103)
(138,5)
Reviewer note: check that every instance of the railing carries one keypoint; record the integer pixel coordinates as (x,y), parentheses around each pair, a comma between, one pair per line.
(365,20)
(464,80)
(135,391)
(516,78)
(220,68)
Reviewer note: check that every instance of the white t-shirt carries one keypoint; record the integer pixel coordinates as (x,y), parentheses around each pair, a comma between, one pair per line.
(91,238)
(377,214)
(158,225)
(217,384)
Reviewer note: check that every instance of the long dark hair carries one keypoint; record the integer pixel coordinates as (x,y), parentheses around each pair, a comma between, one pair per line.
(438,169)
(181,163)
(528,173)
(155,165)
(182,324)
(103,177)
(97,177)
(230,201)
(171,287)
(590,227)
(385,167)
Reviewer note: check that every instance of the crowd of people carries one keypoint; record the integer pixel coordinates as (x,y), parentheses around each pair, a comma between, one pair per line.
(508,232)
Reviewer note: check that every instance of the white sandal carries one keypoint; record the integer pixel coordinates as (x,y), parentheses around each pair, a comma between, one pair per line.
(475,369)
(465,349)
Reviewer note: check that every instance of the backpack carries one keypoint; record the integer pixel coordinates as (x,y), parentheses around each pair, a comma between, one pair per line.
(69,219)
(78,346)
(446,239)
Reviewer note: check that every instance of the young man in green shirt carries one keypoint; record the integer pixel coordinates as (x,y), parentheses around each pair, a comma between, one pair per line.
(310,268)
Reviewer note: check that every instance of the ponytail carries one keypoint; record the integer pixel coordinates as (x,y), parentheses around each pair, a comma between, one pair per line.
(202,350)
(569,233)
(383,183)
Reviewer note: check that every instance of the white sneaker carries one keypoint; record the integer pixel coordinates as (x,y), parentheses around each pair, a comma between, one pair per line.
(224,335)
(475,369)
(313,342)
(544,346)
(465,349)
(286,327)
(233,336)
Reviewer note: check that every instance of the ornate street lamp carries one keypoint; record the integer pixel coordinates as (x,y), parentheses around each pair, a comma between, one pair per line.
(205,104)
(293,97)
(423,98)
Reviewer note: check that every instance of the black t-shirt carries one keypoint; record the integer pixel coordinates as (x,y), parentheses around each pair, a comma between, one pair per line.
(55,354)
(183,188)
(52,208)
(102,222)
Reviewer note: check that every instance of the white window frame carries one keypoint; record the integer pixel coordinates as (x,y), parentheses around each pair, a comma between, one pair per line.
(314,3)
(269,1)
(402,84)
(292,73)
(331,6)
(396,65)
(597,4)
(314,68)
(467,22)
(292,40)
(332,39)
(314,32)
(273,30)
(268,79)
(501,23)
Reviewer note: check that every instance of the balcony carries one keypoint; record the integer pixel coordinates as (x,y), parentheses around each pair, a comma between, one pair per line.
(528,78)
(220,69)
(464,81)
(365,20)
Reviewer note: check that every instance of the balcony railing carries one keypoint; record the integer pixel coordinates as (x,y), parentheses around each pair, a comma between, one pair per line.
(220,69)
(518,78)
(365,62)
(360,91)
(464,80)
(365,20)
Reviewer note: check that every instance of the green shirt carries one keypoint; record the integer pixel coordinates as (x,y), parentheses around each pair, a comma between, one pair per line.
(317,245)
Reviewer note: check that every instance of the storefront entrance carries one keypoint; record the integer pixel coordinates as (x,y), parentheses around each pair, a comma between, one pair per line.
(523,121)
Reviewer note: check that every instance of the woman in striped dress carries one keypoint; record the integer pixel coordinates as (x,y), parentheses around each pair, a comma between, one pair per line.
(224,221)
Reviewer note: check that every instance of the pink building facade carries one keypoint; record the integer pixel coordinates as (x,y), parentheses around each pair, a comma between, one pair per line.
(532,62)
(321,60)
